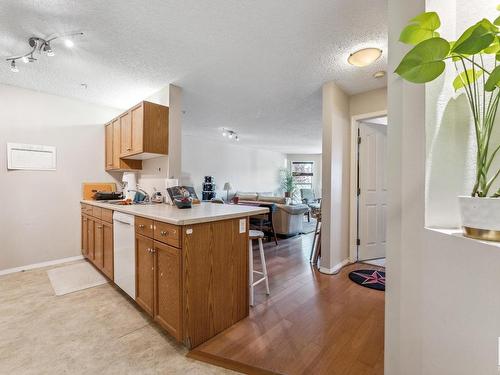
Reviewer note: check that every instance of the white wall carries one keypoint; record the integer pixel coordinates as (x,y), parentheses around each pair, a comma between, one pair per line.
(316,159)
(338,109)
(247,169)
(442,300)
(451,144)
(40,210)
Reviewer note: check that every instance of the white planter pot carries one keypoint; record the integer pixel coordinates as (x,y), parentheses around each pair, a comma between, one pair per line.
(480,217)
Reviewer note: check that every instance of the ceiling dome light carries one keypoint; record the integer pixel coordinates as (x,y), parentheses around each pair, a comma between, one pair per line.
(13,67)
(224,133)
(69,43)
(364,57)
(230,135)
(379,74)
(25,59)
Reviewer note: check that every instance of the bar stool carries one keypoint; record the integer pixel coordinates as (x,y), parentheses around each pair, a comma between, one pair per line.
(257,235)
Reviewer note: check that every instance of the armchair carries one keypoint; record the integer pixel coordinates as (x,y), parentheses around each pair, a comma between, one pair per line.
(308,198)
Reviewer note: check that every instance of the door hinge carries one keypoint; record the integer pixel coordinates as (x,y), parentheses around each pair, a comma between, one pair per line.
(359,140)
(358,242)
(359,191)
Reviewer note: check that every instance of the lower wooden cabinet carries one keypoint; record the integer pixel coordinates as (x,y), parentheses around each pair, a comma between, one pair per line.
(168,300)
(85,233)
(90,238)
(107,247)
(144,279)
(97,239)
(98,244)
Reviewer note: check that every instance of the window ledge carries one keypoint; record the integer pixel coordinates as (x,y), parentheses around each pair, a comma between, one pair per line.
(456,232)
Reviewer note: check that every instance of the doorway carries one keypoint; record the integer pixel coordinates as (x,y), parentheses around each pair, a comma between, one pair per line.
(369,204)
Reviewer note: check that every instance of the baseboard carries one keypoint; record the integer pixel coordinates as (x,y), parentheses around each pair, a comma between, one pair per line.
(39,265)
(228,363)
(335,269)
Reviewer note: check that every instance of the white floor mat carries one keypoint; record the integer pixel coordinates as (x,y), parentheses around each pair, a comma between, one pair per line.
(74,277)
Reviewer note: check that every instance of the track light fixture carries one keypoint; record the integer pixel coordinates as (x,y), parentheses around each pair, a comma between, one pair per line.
(42,46)
(230,134)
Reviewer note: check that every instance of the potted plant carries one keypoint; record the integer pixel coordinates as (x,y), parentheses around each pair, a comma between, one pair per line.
(475,55)
(287,183)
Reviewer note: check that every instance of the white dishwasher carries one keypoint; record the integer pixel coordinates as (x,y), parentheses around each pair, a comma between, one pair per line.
(124,252)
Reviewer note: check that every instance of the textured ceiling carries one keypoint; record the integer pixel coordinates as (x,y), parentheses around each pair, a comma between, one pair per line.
(253,66)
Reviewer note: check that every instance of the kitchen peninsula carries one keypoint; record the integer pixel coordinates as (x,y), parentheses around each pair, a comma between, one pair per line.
(191,265)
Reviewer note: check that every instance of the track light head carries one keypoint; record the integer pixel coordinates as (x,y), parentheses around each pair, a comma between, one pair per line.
(13,67)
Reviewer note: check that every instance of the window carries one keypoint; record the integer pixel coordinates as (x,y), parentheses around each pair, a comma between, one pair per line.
(302,172)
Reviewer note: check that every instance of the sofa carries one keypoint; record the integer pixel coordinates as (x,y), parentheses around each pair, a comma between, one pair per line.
(288,218)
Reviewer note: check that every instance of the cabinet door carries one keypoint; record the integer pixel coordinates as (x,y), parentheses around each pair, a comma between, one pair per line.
(90,239)
(85,235)
(98,244)
(136,117)
(109,146)
(125,134)
(116,143)
(144,273)
(168,295)
(107,248)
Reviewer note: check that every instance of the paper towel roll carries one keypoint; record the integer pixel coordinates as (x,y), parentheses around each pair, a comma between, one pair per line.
(130,180)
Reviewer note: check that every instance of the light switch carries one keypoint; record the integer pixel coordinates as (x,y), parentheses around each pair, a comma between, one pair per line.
(189,231)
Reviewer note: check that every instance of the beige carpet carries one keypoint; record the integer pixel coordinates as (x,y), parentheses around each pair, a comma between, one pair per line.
(74,277)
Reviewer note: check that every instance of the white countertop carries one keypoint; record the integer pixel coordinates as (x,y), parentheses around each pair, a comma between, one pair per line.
(199,213)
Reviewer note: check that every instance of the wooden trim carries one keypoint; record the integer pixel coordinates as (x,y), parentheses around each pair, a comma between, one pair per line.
(228,363)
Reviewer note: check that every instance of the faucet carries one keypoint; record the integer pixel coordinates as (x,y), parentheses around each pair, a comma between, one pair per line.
(140,190)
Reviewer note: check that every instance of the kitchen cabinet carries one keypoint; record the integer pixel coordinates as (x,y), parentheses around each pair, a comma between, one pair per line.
(144,287)
(84,237)
(109,145)
(90,238)
(98,244)
(107,249)
(168,288)
(113,162)
(97,237)
(192,279)
(144,132)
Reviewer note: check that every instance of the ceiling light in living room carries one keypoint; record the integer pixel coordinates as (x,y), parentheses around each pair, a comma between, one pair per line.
(230,134)
(364,57)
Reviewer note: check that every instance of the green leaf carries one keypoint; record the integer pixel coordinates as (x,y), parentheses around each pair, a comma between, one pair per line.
(498,7)
(476,38)
(466,77)
(497,21)
(424,62)
(493,48)
(421,28)
(493,79)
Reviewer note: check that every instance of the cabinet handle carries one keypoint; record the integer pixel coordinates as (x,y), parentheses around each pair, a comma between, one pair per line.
(99,227)
(163,233)
(141,226)
(129,149)
(149,250)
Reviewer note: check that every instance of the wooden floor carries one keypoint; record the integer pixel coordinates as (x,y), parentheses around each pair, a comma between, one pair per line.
(311,324)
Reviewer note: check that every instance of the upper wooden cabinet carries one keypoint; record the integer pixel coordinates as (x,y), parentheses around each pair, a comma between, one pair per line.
(138,134)
(112,146)
(144,131)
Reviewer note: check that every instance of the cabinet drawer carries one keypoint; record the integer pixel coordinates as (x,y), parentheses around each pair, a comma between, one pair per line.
(96,212)
(107,215)
(144,226)
(167,233)
(87,209)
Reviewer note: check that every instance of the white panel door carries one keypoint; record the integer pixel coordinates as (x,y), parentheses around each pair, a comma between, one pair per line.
(372,200)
